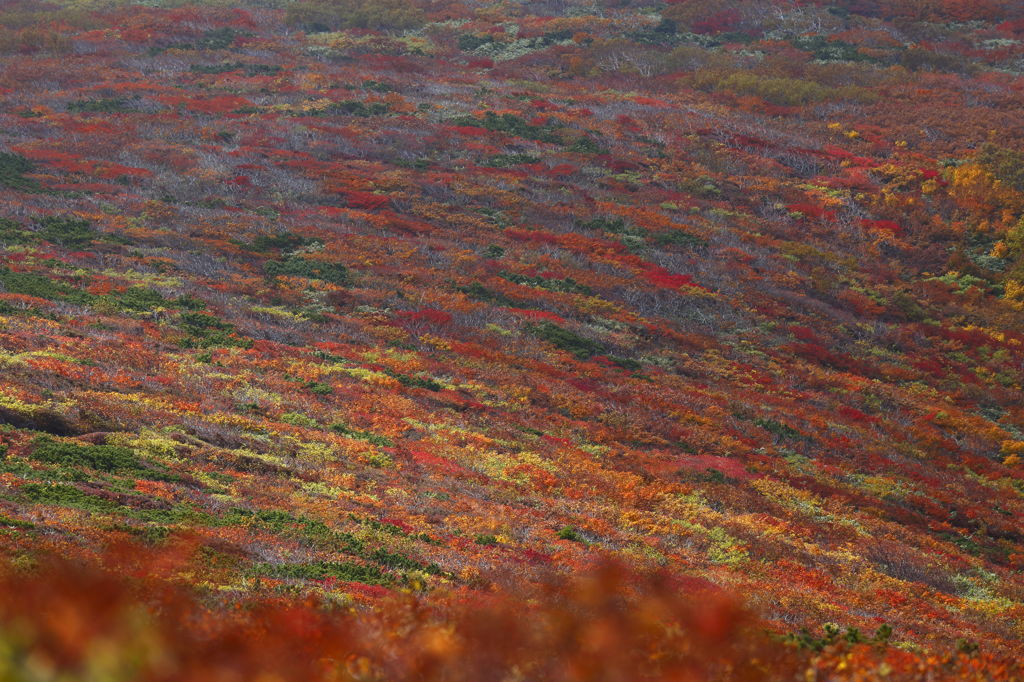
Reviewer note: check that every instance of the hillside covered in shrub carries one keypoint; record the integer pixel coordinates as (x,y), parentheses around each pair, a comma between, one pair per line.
(364,329)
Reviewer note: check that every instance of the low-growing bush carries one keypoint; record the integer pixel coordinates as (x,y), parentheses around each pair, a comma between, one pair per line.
(109,458)
(13,168)
(40,286)
(369,437)
(510,124)
(206,331)
(333,15)
(567,285)
(339,570)
(100,106)
(66,231)
(570,533)
(140,299)
(297,266)
(63,495)
(13,232)
(566,340)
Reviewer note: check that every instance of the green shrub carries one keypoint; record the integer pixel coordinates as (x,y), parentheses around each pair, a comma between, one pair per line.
(66,231)
(567,285)
(297,266)
(566,340)
(587,145)
(301,527)
(8,522)
(804,639)
(13,232)
(140,299)
(354,107)
(63,495)
(777,90)
(228,67)
(778,428)
(479,292)
(825,48)
(369,437)
(31,284)
(100,106)
(107,458)
(319,388)
(400,561)
(218,38)
(298,419)
(626,363)
(603,224)
(186,302)
(678,238)
(12,173)
(510,124)
(486,540)
(339,570)
(206,331)
(468,42)
(1005,164)
(415,382)
(570,533)
(333,15)
(509,160)
(378,86)
(286,240)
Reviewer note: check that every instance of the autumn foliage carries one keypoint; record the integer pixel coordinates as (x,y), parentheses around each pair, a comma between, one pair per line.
(568,340)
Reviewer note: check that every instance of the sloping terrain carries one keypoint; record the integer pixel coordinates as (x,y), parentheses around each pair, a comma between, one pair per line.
(449,298)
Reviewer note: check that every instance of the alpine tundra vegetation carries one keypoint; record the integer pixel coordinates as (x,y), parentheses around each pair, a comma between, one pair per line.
(511,340)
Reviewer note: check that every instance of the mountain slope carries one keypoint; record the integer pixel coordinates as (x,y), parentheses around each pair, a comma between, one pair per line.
(455,298)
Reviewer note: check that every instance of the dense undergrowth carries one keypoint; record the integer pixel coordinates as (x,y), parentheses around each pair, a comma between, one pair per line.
(383,320)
